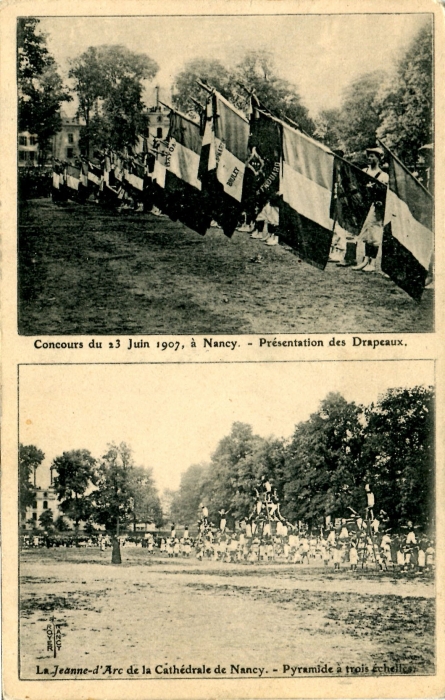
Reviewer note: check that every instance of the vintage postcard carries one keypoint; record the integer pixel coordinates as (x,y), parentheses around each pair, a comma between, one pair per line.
(222,349)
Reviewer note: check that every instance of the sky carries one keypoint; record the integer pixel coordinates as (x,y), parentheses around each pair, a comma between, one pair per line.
(321,55)
(173,415)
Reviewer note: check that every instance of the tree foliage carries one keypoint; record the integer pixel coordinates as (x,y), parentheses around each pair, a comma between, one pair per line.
(398,453)
(210,71)
(406,112)
(30,458)
(256,71)
(394,106)
(322,472)
(46,519)
(322,469)
(146,502)
(109,82)
(353,127)
(41,90)
(76,474)
(192,490)
(113,499)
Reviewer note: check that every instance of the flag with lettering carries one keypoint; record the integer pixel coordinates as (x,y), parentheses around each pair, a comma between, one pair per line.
(223,160)
(183,199)
(408,240)
(263,164)
(306,188)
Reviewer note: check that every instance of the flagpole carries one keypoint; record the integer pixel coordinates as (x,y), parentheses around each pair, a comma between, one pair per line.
(202,107)
(206,87)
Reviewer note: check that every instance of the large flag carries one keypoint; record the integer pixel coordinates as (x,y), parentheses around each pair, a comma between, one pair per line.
(176,172)
(263,165)
(306,186)
(223,161)
(184,149)
(408,240)
(351,195)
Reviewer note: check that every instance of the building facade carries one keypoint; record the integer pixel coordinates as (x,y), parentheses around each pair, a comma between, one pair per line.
(28,150)
(44,499)
(66,142)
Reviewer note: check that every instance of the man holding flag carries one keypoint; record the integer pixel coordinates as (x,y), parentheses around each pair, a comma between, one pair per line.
(370,239)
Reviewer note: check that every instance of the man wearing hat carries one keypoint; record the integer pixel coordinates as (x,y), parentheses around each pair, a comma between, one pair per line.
(370,238)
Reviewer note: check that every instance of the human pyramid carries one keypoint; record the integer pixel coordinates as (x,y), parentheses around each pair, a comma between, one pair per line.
(357,541)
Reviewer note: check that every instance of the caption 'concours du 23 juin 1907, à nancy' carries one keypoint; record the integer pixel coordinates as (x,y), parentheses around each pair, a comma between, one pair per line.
(218,343)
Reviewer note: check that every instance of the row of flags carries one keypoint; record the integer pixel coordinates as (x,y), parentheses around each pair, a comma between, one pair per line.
(229,166)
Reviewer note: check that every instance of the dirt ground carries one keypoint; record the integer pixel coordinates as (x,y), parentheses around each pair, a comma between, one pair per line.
(160,613)
(83,270)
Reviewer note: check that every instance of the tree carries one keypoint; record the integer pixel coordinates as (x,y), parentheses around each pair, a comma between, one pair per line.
(329,128)
(234,470)
(61,524)
(113,500)
(41,90)
(75,476)
(406,119)
(185,503)
(46,519)
(322,472)
(109,82)
(210,71)
(258,73)
(398,454)
(255,72)
(360,112)
(146,502)
(30,458)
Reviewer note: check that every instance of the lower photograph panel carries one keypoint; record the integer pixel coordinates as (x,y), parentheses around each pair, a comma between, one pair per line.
(232,521)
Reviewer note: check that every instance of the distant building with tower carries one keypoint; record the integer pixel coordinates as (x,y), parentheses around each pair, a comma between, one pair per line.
(158,121)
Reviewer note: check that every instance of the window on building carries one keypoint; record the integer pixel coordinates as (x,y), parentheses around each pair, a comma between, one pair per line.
(159,119)
(45,495)
(70,138)
(23,140)
(34,505)
(34,516)
(45,505)
(31,156)
(22,156)
(159,132)
(70,152)
(33,140)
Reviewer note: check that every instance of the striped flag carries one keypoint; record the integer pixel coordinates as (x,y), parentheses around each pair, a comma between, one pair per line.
(223,161)
(231,142)
(306,186)
(184,149)
(408,239)
(73,177)
(182,198)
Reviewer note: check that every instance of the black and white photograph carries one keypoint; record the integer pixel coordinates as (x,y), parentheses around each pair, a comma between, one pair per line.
(232,174)
(227,521)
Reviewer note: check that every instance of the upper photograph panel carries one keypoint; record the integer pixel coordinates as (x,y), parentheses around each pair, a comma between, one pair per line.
(225,174)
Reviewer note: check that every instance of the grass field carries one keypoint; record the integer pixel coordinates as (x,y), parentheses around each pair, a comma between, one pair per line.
(84,270)
(156,612)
